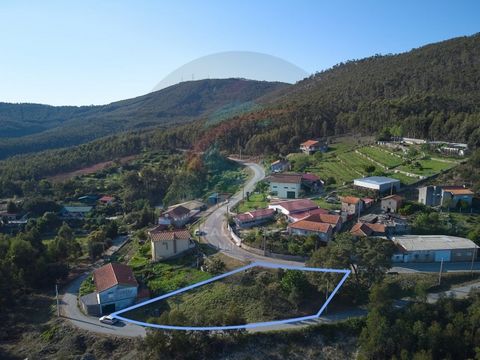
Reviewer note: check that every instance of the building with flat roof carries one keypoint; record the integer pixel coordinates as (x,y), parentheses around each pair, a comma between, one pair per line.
(434,248)
(382,184)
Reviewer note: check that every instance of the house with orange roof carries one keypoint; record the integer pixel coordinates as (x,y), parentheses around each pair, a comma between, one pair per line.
(115,288)
(254,217)
(312,146)
(351,205)
(305,227)
(391,204)
(448,196)
(332,219)
(168,243)
(361,229)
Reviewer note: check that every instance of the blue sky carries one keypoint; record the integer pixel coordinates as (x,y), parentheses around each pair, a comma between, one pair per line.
(94,52)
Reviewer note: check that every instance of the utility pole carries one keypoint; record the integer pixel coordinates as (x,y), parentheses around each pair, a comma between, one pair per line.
(56,296)
(264,243)
(474,255)
(326,296)
(440,273)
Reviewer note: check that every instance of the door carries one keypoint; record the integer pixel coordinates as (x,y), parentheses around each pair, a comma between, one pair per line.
(290,194)
(108,309)
(445,254)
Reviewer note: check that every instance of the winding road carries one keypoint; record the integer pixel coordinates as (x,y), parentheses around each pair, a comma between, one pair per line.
(217,235)
(215,230)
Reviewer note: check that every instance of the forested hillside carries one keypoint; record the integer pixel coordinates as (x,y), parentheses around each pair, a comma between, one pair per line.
(28,128)
(431,92)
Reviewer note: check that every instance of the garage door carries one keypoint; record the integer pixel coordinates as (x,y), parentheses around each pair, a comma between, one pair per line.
(290,194)
(445,254)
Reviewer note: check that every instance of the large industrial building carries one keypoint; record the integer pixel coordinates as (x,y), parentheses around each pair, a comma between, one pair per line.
(434,248)
(382,184)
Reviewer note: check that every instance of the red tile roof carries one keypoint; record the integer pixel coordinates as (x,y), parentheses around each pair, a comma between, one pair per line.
(160,235)
(350,199)
(286,178)
(302,215)
(310,177)
(255,214)
(393,197)
(366,229)
(295,206)
(459,191)
(311,226)
(309,143)
(178,212)
(113,274)
(325,218)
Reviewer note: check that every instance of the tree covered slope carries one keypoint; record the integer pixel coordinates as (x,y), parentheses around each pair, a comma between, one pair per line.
(431,92)
(31,127)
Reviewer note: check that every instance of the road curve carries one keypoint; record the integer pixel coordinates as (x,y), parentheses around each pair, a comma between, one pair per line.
(215,230)
(69,310)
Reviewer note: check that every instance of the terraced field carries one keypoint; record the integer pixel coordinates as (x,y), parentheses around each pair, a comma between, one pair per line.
(429,167)
(383,157)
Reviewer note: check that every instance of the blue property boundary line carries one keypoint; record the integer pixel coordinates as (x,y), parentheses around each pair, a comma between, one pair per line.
(236,327)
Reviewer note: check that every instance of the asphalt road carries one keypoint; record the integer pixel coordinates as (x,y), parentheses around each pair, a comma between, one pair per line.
(215,230)
(70,311)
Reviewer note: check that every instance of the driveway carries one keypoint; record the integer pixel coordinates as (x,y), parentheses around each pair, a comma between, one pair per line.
(69,310)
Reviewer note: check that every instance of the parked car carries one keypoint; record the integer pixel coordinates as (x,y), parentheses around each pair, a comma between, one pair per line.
(107,319)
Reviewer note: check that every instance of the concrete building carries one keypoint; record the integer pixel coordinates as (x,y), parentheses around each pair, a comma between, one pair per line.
(285,186)
(448,196)
(115,288)
(381,184)
(430,195)
(391,203)
(166,244)
(434,248)
(254,218)
(452,195)
(351,205)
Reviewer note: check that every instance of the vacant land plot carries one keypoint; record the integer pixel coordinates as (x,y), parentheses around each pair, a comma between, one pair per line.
(334,168)
(383,157)
(427,167)
(255,201)
(247,297)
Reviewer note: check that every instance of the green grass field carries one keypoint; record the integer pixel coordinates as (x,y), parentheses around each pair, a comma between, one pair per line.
(356,162)
(429,167)
(381,156)
(256,201)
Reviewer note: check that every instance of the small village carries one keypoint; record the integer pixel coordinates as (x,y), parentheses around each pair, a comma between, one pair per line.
(287,215)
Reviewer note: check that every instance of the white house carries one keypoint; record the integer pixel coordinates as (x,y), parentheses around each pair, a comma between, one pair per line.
(166,244)
(285,186)
(115,288)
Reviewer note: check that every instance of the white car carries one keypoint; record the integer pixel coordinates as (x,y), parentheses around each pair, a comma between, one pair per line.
(107,319)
